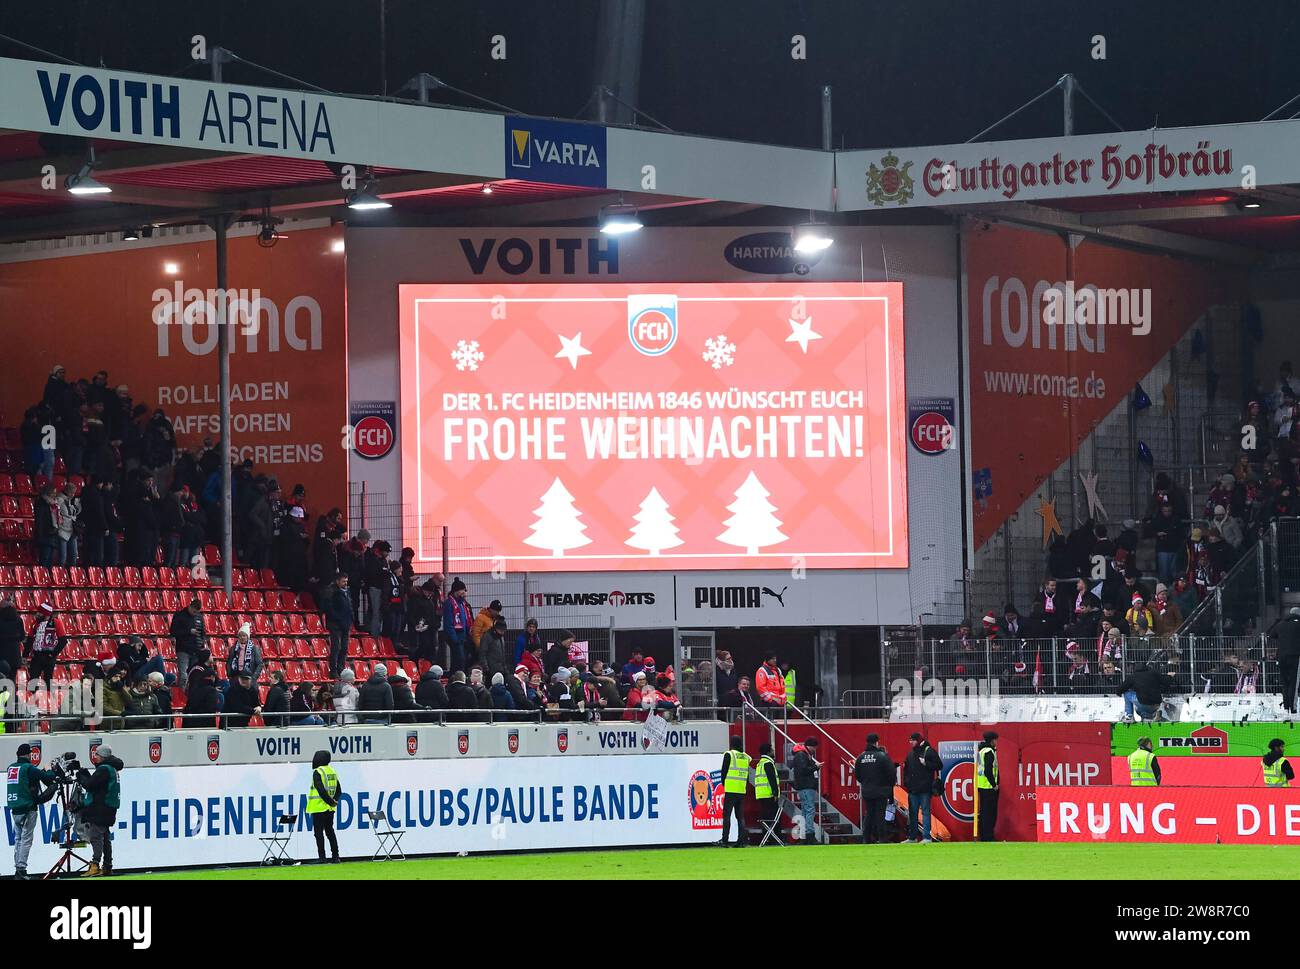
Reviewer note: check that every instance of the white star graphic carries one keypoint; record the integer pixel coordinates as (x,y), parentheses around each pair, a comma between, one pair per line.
(802,333)
(571,349)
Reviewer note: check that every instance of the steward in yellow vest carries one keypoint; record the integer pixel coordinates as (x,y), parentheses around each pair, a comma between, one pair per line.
(987,785)
(1143,770)
(735,780)
(1277,769)
(322,802)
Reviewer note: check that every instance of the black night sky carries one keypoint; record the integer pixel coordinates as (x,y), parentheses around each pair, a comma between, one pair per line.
(904,71)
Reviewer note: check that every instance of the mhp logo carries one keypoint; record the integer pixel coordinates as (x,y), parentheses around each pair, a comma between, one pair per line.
(652,324)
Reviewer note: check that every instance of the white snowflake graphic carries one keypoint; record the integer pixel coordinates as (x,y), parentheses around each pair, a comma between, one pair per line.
(467,355)
(719,352)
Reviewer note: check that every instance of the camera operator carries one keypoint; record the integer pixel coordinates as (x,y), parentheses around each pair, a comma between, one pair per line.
(22,795)
(99,815)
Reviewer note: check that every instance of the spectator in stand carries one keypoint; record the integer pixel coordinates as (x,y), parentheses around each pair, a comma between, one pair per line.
(1078,674)
(159,452)
(1143,691)
(344,698)
(302,708)
(1287,635)
(378,584)
(1138,609)
(160,684)
(406,569)
(244,655)
(517,684)
(133,656)
(393,606)
(291,552)
(243,701)
(202,700)
(493,649)
(536,691)
(740,695)
(190,637)
(502,699)
(182,525)
(484,621)
(557,655)
(634,665)
(526,640)
(1050,612)
(143,532)
(1013,630)
(724,677)
(403,698)
(142,709)
(337,606)
(258,528)
(430,693)
(1167,614)
(459,694)
(69,511)
(115,694)
(325,563)
(103,525)
(352,556)
(32,436)
(1171,536)
(1221,554)
(770,683)
(561,703)
(634,710)
(1229,527)
(456,622)
(12,633)
(375,696)
(921,771)
(532,660)
(1184,596)
(420,637)
(45,530)
(275,712)
(482,693)
(47,640)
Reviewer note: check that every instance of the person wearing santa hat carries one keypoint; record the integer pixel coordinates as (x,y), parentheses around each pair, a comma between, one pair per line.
(45,644)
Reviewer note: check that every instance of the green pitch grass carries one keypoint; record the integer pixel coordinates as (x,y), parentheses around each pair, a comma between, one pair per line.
(903,861)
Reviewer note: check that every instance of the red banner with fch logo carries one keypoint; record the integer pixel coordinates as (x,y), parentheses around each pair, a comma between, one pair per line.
(1174,815)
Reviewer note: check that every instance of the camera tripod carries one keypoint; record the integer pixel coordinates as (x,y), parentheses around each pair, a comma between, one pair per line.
(67,839)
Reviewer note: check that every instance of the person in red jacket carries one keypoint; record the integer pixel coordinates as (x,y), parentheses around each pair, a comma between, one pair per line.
(769,682)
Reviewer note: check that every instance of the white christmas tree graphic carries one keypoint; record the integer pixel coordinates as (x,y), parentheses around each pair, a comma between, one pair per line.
(558,527)
(752,524)
(654,531)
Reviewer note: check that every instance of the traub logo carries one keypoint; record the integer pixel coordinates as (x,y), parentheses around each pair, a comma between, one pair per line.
(75,922)
(258,319)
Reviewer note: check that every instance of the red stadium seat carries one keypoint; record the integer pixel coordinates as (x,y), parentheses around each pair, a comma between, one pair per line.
(354,648)
(134,601)
(99,600)
(140,624)
(262,624)
(9,506)
(205,600)
(238,600)
(23,485)
(153,600)
(166,647)
(267,579)
(293,672)
(386,648)
(220,603)
(167,578)
(41,576)
(159,624)
(184,578)
(26,508)
(149,577)
(25,600)
(62,600)
(77,576)
(280,622)
(131,576)
(314,624)
(255,601)
(122,624)
(23,575)
(7,575)
(117,600)
(171,600)
(320,648)
(59,575)
(296,624)
(81,600)
(95,576)
(113,577)
(6,484)
(302,648)
(229,623)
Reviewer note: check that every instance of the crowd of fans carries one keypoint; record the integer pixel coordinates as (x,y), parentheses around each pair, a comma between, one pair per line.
(1115,597)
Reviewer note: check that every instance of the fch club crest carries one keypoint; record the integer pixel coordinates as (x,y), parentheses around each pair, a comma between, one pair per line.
(155,749)
(562,739)
(512,741)
(412,743)
(652,323)
(214,746)
(462,741)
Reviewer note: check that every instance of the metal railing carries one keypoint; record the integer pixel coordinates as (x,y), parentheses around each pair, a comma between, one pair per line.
(1193,663)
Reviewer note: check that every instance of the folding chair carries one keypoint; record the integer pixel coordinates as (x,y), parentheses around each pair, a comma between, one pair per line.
(276,844)
(771,829)
(390,838)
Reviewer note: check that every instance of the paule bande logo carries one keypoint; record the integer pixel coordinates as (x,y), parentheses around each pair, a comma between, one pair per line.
(75,922)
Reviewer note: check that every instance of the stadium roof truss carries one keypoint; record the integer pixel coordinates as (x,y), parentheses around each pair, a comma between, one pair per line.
(178,151)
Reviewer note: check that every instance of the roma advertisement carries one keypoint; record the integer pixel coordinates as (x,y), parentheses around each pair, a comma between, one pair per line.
(657,426)
(1184,815)
(1057,339)
(148,316)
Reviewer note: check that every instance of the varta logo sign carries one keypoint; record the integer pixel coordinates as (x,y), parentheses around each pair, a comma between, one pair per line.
(555,151)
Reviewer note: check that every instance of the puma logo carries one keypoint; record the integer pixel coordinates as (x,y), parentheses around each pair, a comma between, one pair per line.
(778,596)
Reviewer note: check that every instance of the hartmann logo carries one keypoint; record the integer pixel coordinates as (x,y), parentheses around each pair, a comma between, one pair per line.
(75,922)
